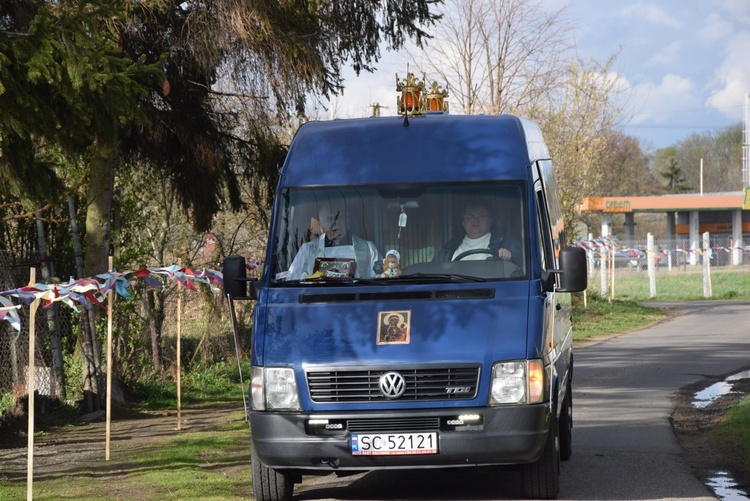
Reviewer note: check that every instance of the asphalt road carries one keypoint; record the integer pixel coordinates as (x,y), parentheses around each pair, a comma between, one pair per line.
(624,446)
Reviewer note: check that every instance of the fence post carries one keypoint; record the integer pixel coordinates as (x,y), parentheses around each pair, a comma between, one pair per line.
(179,349)
(612,258)
(603,268)
(706,265)
(651,268)
(110,307)
(30,391)
(670,250)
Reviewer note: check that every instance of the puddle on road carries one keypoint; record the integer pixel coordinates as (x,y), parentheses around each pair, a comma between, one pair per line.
(703,398)
(725,487)
(721,482)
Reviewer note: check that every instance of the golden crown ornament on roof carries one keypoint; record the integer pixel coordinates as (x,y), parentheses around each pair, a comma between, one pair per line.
(415,99)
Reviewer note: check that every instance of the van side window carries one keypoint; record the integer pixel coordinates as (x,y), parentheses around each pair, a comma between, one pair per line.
(555,220)
(545,232)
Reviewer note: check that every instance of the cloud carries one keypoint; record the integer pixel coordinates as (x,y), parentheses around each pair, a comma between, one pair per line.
(651,13)
(732,77)
(659,103)
(738,9)
(667,55)
(716,28)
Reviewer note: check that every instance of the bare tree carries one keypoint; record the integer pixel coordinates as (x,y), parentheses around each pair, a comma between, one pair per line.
(627,168)
(720,152)
(498,57)
(576,122)
(518,57)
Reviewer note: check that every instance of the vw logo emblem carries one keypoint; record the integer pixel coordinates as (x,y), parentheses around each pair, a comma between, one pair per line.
(392,385)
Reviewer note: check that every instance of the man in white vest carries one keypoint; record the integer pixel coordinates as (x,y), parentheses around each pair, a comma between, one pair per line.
(335,241)
(480,233)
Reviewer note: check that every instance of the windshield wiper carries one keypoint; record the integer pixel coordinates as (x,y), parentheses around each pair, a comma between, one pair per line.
(453,277)
(335,281)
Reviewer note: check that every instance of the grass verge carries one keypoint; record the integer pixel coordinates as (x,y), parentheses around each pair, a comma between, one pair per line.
(677,285)
(215,384)
(735,430)
(601,318)
(209,464)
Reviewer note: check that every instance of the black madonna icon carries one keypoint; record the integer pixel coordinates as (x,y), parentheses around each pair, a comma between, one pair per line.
(393,327)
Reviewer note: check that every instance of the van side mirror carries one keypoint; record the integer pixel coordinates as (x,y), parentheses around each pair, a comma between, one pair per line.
(573,270)
(235,279)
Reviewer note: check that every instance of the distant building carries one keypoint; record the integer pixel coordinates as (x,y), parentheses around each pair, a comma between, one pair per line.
(686,215)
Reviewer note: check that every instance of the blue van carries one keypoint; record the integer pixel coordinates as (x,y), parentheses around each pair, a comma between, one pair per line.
(414,310)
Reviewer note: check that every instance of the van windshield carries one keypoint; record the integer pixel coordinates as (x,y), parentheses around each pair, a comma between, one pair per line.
(412,233)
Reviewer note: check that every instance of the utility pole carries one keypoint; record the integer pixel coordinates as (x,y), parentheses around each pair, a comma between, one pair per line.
(376,107)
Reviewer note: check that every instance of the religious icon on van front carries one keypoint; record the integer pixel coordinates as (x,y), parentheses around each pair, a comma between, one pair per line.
(394,327)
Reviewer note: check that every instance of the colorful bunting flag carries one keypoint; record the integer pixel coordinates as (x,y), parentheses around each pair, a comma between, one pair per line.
(93,291)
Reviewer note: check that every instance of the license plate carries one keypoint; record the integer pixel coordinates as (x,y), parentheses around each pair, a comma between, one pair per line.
(393,444)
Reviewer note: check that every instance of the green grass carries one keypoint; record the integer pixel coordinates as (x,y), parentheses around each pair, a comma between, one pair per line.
(219,383)
(196,464)
(7,403)
(735,430)
(602,318)
(208,464)
(679,285)
(187,467)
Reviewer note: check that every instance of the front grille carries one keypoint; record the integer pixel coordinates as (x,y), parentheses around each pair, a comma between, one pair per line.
(422,384)
(393,425)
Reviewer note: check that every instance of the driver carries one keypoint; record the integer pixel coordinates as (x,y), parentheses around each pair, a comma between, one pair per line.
(335,241)
(480,234)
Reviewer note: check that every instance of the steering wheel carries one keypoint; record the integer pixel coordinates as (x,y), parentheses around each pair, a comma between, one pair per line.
(476,251)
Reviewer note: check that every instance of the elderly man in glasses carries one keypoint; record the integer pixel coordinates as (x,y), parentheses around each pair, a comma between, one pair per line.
(480,234)
(335,241)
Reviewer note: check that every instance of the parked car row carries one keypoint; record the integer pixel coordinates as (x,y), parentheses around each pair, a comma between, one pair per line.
(631,258)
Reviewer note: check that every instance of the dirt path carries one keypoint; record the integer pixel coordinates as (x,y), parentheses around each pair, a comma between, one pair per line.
(694,428)
(74,450)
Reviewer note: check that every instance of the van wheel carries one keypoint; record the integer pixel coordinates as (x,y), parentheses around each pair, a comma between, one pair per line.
(270,484)
(566,425)
(541,479)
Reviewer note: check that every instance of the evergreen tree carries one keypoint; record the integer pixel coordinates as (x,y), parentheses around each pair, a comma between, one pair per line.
(195,90)
(674,178)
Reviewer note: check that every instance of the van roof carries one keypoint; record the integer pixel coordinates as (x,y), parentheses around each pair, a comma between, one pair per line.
(435,146)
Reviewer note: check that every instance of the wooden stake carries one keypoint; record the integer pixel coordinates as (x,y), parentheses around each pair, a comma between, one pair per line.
(179,350)
(31,390)
(110,307)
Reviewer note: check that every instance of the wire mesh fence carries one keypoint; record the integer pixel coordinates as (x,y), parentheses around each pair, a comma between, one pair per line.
(140,344)
(14,345)
(614,267)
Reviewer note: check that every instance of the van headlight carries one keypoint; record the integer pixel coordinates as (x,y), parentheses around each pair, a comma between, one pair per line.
(518,382)
(274,388)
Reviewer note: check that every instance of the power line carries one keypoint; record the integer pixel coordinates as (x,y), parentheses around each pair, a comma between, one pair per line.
(672,126)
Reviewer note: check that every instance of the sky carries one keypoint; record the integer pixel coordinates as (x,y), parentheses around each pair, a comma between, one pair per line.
(684,64)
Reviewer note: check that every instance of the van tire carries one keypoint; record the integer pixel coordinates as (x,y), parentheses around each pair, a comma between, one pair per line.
(541,479)
(566,425)
(270,484)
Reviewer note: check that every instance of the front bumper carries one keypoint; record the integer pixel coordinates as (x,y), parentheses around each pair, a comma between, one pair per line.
(508,435)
